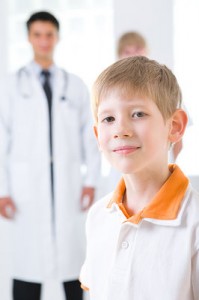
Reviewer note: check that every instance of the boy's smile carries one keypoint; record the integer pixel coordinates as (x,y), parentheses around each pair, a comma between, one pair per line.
(128,133)
(125,149)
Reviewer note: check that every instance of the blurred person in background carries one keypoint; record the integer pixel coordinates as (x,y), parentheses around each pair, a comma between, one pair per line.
(46,137)
(131,44)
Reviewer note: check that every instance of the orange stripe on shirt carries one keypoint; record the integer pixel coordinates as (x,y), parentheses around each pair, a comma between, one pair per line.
(165,205)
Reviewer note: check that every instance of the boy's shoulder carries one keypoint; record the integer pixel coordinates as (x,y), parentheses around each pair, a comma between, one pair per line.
(98,213)
(193,200)
(189,211)
(99,218)
(100,206)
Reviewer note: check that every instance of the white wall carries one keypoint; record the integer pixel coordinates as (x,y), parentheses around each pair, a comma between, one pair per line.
(153,19)
(3,38)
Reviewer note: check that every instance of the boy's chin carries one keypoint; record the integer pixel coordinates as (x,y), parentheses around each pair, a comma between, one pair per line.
(124,169)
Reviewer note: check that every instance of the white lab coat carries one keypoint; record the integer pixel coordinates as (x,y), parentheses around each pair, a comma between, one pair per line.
(47,240)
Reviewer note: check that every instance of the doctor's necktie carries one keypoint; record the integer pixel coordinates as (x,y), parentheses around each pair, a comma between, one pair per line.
(48,91)
(47,87)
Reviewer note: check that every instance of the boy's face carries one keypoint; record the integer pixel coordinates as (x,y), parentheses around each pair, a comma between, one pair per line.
(131,132)
(43,36)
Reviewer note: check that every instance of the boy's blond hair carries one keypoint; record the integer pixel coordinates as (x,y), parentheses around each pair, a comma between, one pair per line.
(132,38)
(139,76)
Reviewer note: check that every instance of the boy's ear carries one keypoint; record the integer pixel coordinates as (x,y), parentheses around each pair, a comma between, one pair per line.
(96,135)
(178,125)
(95,131)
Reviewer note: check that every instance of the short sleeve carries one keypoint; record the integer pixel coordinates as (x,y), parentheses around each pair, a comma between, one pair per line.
(85,270)
(84,276)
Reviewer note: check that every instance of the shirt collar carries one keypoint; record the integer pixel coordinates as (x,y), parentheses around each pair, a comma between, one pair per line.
(36,68)
(164,206)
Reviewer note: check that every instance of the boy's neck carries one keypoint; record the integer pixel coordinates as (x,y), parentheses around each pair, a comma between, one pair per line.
(141,190)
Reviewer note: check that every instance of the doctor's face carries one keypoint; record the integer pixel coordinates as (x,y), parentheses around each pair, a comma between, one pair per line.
(43,36)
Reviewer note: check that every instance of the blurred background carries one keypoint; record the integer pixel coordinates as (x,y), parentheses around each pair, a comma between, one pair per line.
(89,32)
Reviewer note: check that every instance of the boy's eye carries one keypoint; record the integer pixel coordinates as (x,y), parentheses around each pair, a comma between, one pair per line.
(138,114)
(108,119)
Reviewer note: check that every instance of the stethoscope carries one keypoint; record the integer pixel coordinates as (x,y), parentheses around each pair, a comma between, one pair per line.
(23,76)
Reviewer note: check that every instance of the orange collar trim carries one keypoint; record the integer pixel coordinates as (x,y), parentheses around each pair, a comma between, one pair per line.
(165,205)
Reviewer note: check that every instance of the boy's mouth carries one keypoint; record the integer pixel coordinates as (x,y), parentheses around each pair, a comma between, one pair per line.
(125,149)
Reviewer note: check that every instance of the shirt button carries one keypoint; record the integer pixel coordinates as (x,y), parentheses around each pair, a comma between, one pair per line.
(125,245)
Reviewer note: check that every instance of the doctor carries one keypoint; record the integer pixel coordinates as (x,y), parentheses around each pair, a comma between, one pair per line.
(46,136)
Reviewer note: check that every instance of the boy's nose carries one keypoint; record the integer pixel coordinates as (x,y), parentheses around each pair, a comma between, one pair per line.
(122,130)
(120,135)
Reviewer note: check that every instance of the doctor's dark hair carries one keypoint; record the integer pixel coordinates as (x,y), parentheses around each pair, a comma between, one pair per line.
(42,16)
(140,77)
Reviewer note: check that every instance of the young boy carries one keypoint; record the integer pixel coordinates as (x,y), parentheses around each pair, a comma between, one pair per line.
(142,240)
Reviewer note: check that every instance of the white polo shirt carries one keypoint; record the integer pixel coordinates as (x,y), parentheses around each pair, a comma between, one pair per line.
(153,255)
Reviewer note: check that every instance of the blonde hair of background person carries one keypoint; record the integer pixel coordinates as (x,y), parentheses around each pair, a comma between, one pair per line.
(133,43)
(153,214)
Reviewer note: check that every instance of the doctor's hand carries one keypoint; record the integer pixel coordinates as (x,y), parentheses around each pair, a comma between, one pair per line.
(7,208)
(87,198)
